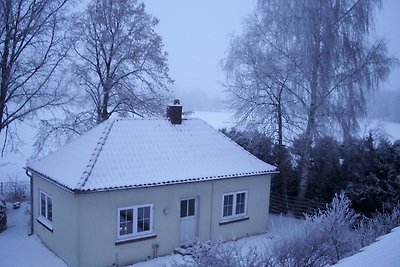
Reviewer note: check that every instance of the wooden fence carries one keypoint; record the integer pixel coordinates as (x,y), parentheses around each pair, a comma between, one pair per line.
(298,207)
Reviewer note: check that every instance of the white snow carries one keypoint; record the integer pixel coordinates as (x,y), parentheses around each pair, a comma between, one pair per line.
(383,253)
(124,153)
(217,120)
(18,249)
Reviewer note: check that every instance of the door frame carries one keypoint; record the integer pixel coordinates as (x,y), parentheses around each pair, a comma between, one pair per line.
(192,219)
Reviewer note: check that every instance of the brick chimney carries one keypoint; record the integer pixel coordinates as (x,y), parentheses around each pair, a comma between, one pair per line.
(174,112)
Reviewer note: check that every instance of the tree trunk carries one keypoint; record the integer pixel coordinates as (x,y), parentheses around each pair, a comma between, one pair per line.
(282,174)
(5,73)
(310,130)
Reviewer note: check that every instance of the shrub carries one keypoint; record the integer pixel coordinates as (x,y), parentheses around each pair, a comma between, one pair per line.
(321,239)
(219,254)
(3,215)
(324,238)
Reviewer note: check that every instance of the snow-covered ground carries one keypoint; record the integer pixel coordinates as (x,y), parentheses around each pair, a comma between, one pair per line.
(18,249)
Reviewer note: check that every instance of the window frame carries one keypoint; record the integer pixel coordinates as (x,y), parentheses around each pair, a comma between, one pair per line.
(46,215)
(135,219)
(234,215)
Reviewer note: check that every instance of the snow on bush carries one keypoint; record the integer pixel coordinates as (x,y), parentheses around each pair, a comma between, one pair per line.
(217,253)
(321,239)
(380,224)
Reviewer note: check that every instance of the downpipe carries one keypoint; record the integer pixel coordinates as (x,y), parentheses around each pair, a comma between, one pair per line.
(31,189)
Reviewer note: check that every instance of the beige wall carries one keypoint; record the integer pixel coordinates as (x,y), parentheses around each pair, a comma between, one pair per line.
(96,215)
(63,241)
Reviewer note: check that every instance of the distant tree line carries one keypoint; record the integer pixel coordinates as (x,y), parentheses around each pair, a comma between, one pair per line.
(366,169)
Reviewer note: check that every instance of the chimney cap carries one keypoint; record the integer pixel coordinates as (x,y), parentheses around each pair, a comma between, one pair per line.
(177,102)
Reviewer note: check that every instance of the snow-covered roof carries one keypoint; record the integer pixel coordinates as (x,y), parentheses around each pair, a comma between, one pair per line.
(128,153)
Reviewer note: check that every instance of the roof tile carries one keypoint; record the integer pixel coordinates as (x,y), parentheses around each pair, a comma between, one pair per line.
(145,152)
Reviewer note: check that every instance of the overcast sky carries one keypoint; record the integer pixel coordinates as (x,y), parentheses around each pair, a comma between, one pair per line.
(196,35)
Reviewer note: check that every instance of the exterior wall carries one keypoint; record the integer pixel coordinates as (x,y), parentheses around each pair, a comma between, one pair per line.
(97,215)
(63,240)
(258,189)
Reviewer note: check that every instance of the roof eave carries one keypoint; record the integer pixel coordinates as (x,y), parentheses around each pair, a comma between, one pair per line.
(183,181)
(51,180)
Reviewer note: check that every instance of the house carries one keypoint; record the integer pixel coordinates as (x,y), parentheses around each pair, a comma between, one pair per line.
(133,189)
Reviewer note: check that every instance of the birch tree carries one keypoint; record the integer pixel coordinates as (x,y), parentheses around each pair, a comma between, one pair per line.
(257,85)
(334,63)
(32,48)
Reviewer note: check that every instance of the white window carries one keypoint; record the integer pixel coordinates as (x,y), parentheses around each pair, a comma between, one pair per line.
(234,204)
(46,206)
(135,221)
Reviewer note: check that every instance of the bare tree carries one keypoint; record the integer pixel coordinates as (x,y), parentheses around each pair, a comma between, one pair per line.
(120,68)
(334,64)
(32,47)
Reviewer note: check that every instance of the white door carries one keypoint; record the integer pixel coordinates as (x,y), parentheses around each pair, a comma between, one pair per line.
(188,229)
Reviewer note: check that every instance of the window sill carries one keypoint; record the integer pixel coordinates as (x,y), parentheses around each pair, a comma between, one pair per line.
(135,239)
(233,220)
(44,222)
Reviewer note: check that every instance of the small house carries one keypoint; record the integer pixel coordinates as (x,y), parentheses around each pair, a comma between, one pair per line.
(133,189)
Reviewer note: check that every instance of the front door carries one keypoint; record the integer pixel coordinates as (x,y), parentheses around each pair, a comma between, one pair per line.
(188,231)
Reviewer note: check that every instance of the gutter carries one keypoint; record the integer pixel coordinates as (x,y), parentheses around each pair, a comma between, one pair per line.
(31,185)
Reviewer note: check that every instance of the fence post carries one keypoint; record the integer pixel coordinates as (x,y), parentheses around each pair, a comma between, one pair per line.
(1,188)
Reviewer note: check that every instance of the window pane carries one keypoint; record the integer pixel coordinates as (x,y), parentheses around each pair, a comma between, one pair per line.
(240,203)
(122,216)
(140,213)
(49,208)
(42,204)
(147,212)
(191,207)
(143,222)
(129,215)
(184,208)
(228,205)
(143,225)
(129,227)
(122,228)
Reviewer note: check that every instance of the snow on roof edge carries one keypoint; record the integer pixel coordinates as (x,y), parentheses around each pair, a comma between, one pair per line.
(96,152)
(169,182)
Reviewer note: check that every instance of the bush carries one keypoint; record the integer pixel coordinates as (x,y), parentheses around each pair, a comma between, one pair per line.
(219,254)
(380,224)
(3,215)
(321,239)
